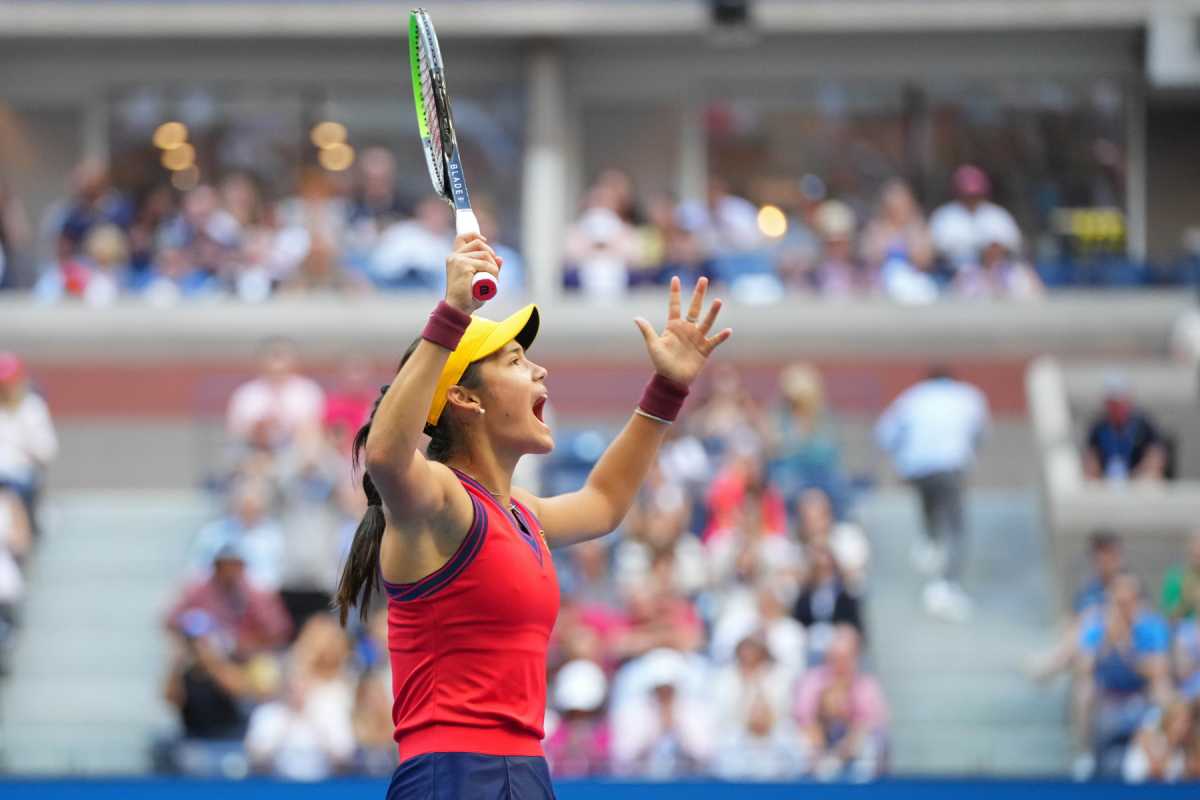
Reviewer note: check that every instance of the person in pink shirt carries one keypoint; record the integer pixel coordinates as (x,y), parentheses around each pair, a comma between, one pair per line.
(843,713)
(280,404)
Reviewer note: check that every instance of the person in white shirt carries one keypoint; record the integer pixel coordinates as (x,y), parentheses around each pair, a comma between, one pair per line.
(27,440)
(279,405)
(932,431)
(962,228)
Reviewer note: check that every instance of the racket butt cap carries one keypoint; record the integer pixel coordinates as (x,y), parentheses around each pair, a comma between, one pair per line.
(483,286)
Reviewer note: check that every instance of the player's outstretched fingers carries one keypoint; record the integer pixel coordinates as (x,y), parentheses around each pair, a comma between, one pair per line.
(713,342)
(697,300)
(673,302)
(711,316)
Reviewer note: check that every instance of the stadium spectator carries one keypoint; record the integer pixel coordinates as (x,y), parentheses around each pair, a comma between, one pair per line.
(15,235)
(1123,441)
(279,405)
(846,540)
(315,214)
(728,417)
(579,745)
(665,728)
(657,530)
(1181,584)
(963,227)
(825,603)
(1186,658)
(253,620)
(843,714)
(257,534)
(348,402)
(1124,669)
(1159,749)
(756,738)
(765,612)
(744,473)
(601,247)
(798,252)
(838,272)
(28,443)
(206,233)
(730,222)
(656,616)
(372,723)
(932,431)
(802,442)
(750,550)
(15,543)
(97,277)
(92,202)
(375,203)
(587,578)
(897,245)
(686,251)
(411,254)
(1000,272)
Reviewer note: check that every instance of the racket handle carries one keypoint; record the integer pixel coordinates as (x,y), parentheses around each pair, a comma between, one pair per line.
(483,285)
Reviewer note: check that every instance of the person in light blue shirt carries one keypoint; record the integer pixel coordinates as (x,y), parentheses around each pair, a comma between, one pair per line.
(931,431)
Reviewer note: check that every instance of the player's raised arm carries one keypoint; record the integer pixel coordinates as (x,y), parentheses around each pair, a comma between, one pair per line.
(400,473)
(678,354)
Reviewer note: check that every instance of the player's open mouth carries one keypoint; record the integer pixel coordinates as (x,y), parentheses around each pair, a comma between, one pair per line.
(538,407)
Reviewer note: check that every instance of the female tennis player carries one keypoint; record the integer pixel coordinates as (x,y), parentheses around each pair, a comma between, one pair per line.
(464,556)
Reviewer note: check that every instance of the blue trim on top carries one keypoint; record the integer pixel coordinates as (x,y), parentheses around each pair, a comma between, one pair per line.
(470,546)
(519,515)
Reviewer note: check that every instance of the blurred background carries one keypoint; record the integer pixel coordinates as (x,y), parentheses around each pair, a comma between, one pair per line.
(934,511)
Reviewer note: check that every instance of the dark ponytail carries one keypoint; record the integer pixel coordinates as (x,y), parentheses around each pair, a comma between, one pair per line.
(360,575)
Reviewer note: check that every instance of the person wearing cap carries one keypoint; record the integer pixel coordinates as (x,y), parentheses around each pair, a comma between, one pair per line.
(962,227)
(1123,441)
(579,745)
(462,555)
(27,439)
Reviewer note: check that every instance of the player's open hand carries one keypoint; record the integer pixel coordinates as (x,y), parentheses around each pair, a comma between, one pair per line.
(472,254)
(679,352)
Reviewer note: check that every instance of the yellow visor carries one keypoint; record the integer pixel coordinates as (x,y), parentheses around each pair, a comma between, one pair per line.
(482,338)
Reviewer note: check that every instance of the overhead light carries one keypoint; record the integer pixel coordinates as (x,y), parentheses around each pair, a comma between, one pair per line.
(772,222)
(170,135)
(179,158)
(336,157)
(328,134)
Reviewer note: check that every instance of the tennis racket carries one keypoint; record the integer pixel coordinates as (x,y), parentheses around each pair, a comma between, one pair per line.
(437,134)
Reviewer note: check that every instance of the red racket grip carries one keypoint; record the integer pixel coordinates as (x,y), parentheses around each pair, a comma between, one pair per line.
(483,286)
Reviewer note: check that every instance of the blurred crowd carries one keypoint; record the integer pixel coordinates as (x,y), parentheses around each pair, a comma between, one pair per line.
(719,632)
(28,444)
(1133,651)
(802,240)
(341,232)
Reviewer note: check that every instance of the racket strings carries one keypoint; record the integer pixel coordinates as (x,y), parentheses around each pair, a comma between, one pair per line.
(429,98)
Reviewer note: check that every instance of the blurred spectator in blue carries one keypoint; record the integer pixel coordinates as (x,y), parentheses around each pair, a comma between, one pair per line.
(838,272)
(1123,441)
(843,714)
(308,735)
(203,229)
(258,535)
(965,226)
(799,250)
(156,208)
(1000,272)
(932,431)
(252,620)
(897,246)
(580,742)
(1181,584)
(1158,752)
(666,728)
(375,203)
(279,405)
(411,254)
(92,202)
(1186,658)
(685,250)
(1124,669)
(802,441)
(28,443)
(98,277)
(1107,555)
(730,222)
(757,738)
(817,526)
(825,602)
(15,234)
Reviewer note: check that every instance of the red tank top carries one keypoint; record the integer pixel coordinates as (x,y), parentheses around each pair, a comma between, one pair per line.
(468,642)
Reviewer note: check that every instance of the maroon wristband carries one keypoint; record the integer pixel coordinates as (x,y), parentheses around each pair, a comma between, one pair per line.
(446,326)
(663,398)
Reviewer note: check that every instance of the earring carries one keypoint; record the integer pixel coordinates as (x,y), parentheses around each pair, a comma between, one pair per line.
(482,411)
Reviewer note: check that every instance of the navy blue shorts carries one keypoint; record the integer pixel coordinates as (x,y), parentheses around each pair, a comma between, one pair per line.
(471,776)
